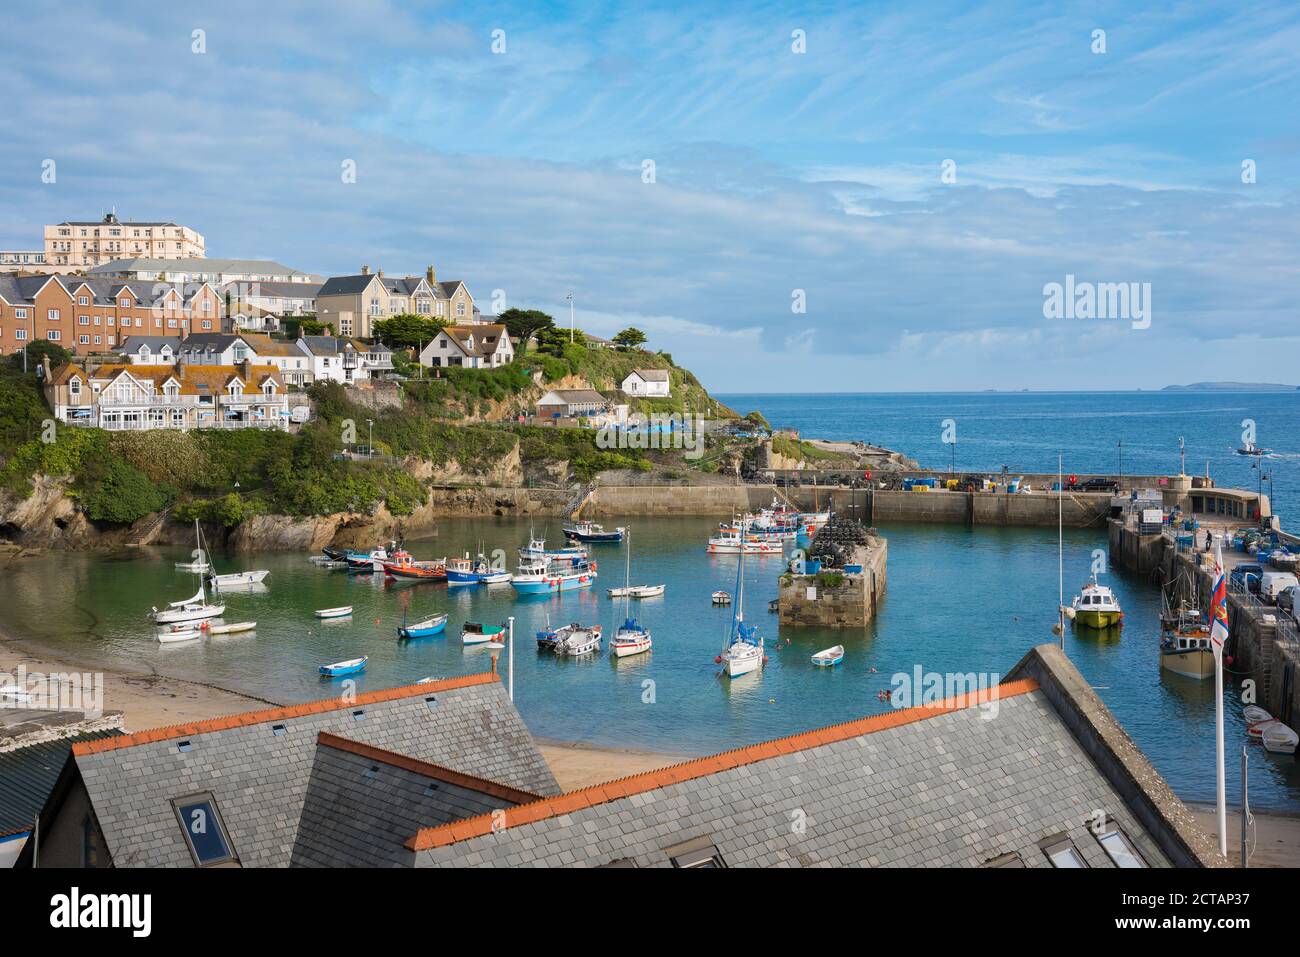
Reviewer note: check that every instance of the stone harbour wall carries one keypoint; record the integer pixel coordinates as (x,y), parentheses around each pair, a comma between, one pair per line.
(804,602)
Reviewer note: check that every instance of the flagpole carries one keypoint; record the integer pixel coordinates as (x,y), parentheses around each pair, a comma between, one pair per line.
(1218,634)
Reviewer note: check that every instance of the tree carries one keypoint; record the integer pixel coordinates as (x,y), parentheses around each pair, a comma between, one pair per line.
(521,324)
(408,330)
(39,349)
(553,341)
(630,338)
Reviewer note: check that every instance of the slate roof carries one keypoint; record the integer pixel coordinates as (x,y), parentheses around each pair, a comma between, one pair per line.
(333,345)
(573,396)
(131,344)
(27,775)
(193,378)
(203,264)
(400,285)
(273,289)
(487,338)
(18,289)
(363,803)
(261,780)
(938,785)
(652,375)
(344,285)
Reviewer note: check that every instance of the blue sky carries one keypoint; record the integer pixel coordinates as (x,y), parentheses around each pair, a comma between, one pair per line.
(775,172)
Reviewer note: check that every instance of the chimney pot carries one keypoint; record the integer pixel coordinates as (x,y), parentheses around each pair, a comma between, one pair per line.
(429,274)
(365,270)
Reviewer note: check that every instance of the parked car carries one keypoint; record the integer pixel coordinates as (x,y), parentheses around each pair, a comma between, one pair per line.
(1246,576)
(1097,485)
(1286,599)
(1272,584)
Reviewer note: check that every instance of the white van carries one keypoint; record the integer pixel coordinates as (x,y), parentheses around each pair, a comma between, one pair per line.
(1272,583)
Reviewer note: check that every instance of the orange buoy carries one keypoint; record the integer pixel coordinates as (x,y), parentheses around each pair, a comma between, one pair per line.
(717,660)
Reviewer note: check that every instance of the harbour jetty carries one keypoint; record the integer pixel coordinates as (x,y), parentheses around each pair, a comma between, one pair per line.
(841,581)
(1264,642)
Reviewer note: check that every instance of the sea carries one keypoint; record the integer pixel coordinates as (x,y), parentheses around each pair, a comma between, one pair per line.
(959,600)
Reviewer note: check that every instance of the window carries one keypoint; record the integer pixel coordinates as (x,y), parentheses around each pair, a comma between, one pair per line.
(124,303)
(359,715)
(1010,859)
(204,832)
(90,843)
(460,309)
(83,301)
(1060,850)
(20,334)
(1118,847)
(84,340)
(83,320)
(700,852)
(184,746)
(74,388)
(53,335)
(52,315)
(279,730)
(20,313)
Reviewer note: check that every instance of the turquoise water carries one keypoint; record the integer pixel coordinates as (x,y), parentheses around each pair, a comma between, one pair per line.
(1026,430)
(958,600)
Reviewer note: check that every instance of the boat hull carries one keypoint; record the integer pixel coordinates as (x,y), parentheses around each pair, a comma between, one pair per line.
(736,664)
(624,648)
(423,629)
(239,578)
(180,615)
(1092,618)
(1197,664)
(544,586)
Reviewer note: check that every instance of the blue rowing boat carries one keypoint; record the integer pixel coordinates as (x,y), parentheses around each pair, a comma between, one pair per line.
(340,668)
(424,629)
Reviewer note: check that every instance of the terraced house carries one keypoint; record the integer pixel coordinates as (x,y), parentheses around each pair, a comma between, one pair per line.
(92,315)
(129,397)
(352,304)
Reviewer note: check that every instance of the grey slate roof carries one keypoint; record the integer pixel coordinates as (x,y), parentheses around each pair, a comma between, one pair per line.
(344,285)
(27,775)
(204,264)
(16,289)
(282,290)
(131,344)
(261,780)
(360,811)
(652,375)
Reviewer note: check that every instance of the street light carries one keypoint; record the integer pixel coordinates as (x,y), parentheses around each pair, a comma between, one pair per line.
(370,449)
(1120,445)
(570,298)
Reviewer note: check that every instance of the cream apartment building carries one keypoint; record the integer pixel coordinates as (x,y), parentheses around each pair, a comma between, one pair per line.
(352,304)
(80,244)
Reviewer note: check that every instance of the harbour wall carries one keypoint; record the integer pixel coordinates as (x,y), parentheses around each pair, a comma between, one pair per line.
(1263,645)
(810,601)
(872,506)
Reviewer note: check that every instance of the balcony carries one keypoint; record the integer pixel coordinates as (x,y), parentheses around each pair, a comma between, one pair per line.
(146,401)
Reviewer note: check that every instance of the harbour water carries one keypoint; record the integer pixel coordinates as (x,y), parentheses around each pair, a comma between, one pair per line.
(959,600)
(1106,432)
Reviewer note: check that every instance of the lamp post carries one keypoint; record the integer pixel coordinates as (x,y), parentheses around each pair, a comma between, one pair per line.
(370,448)
(570,298)
(1120,445)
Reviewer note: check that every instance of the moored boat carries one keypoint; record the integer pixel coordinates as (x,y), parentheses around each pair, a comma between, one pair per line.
(538,576)
(233,628)
(188,609)
(1185,644)
(577,640)
(630,639)
(402,565)
(743,651)
(185,634)
(829,657)
(722,598)
(340,668)
(731,542)
(637,591)
(435,625)
(236,579)
(342,611)
(1279,738)
(591,532)
(1096,606)
(477,633)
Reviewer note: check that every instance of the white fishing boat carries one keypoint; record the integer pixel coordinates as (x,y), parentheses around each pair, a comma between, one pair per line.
(495,578)
(187,634)
(731,542)
(1096,606)
(233,628)
(829,657)
(743,651)
(341,612)
(578,641)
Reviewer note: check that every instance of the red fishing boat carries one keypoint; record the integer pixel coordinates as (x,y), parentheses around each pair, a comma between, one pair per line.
(402,565)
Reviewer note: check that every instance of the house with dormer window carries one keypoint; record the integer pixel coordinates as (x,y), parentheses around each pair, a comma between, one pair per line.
(470,347)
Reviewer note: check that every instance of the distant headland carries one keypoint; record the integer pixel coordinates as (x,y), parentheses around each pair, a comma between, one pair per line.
(1231,387)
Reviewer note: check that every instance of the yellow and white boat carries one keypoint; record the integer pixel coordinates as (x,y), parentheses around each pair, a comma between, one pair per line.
(1096,606)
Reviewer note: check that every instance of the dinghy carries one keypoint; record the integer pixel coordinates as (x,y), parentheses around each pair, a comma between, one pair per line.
(199,566)
(476,633)
(341,612)
(829,657)
(231,629)
(424,629)
(1279,738)
(349,667)
(188,634)
(580,640)
(235,579)
(721,598)
(637,591)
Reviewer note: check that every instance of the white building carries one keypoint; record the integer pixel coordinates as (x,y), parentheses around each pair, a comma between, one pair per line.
(470,346)
(336,359)
(648,383)
(149,350)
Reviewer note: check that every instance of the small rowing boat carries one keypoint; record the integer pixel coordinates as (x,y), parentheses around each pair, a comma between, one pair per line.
(637,591)
(187,634)
(829,657)
(340,668)
(423,629)
(231,629)
(199,566)
(341,612)
(235,579)
(721,598)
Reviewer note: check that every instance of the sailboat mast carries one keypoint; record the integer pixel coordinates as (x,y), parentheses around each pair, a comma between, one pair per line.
(1060,545)
(627,578)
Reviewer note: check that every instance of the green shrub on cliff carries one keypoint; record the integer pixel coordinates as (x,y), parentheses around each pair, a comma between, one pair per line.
(117,492)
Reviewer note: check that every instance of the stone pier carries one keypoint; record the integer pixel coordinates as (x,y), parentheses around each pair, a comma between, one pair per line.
(833,598)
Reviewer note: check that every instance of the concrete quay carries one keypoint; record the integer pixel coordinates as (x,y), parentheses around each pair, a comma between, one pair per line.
(834,598)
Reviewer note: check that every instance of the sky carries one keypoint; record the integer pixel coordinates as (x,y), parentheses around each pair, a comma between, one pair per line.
(785,197)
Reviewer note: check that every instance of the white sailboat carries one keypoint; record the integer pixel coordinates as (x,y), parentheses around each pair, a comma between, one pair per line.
(630,638)
(190,609)
(743,651)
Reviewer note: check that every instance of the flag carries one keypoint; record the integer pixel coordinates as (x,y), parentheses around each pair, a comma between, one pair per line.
(1218,605)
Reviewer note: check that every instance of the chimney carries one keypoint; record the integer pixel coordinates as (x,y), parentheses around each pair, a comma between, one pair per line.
(45,365)
(429,274)
(246,371)
(380,274)
(365,270)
